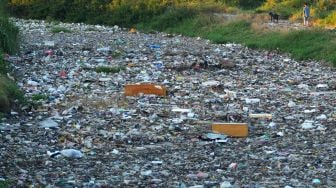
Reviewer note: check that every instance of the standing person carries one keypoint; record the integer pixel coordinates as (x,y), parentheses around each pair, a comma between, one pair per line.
(306,14)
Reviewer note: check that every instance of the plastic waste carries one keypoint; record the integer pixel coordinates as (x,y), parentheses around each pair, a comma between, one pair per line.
(308,124)
(69,153)
(48,123)
(155,46)
(316,181)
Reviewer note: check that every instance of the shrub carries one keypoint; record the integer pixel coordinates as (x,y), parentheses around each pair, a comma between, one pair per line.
(8,36)
(245,4)
(330,19)
(3,65)
(9,94)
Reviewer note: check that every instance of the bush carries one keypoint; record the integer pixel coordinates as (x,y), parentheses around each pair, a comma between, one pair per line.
(245,4)
(3,65)
(9,94)
(8,36)
(330,19)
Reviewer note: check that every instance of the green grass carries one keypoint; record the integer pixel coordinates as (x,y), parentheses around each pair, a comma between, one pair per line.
(58,29)
(302,45)
(314,44)
(105,69)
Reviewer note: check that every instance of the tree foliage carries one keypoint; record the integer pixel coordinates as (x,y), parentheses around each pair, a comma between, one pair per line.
(244,3)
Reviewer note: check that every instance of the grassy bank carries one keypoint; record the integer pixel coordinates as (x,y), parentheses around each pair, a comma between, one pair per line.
(303,45)
(316,44)
(10,95)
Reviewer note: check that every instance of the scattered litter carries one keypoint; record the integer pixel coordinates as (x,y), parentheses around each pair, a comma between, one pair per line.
(316,181)
(291,104)
(69,153)
(214,136)
(225,184)
(321,117)
(151,125)
(146,173)
(261,116)
(175,109)
(48,123)
(307,124)
(49,43)
(211,83)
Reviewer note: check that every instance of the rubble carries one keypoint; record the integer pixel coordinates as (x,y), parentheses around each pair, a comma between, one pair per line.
(149,140)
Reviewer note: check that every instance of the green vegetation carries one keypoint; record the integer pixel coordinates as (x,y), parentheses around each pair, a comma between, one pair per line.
(304,44)
(106,69)
(197,18)
(3,65)
(131,12)
(168,19)
(316,44)
(117,53)
(8,35)
(9,92)
(58,29)
(322,12)
(4,184)
(37,97)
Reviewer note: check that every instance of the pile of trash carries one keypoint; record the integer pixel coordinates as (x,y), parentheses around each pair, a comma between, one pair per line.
(109,107)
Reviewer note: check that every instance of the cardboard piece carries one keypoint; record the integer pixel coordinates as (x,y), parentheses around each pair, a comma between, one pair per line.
(147,89)
(231,129)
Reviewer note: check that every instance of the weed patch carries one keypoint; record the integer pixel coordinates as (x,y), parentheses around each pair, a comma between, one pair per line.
(117,54)
(37,97)
(105,69)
